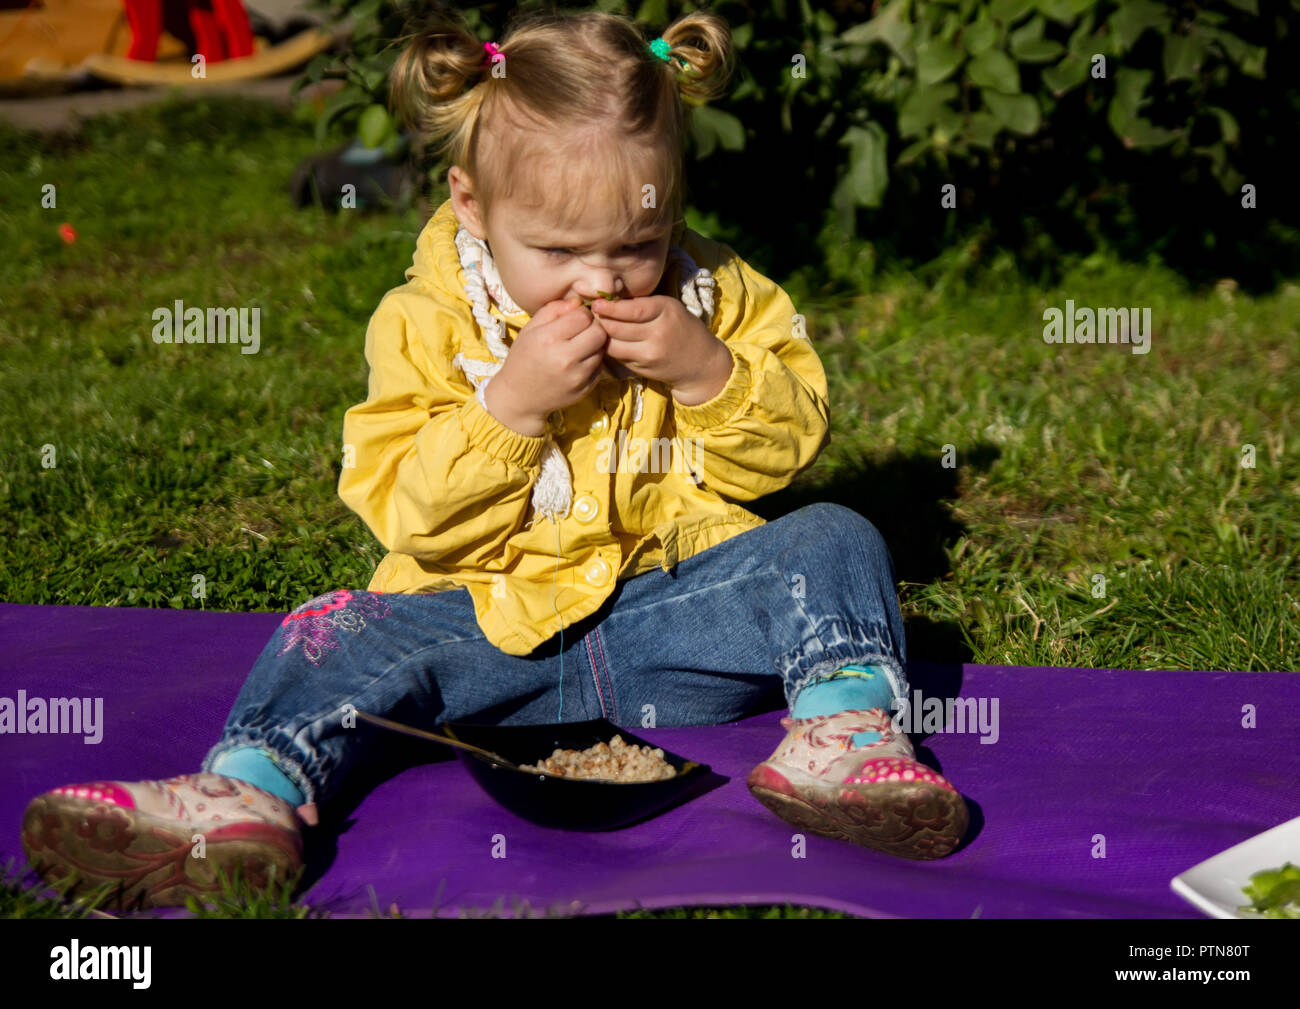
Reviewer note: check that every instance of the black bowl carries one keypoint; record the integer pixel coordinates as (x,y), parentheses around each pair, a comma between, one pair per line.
(567,803)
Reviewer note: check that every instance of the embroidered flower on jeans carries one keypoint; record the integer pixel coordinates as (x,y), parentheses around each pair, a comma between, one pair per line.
(317,623)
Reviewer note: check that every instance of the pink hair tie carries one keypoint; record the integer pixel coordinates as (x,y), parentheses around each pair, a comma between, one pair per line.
(493,52)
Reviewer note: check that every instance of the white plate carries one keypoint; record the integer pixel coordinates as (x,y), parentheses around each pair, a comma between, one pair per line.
(1214,886)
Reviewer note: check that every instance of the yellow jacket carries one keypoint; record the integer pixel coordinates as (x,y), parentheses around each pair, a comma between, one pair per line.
(446,487)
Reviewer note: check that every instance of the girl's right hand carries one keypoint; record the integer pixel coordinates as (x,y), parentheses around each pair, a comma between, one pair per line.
(555,361)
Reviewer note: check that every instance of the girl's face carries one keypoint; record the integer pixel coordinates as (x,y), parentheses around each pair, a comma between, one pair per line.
(539,263)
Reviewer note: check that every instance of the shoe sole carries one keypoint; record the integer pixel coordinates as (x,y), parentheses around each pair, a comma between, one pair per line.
(909,819)
(142,856)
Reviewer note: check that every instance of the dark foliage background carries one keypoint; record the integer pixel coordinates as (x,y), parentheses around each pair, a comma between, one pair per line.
(846,120)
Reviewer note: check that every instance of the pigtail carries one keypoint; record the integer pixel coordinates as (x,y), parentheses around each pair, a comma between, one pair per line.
(700,48)
(439,60)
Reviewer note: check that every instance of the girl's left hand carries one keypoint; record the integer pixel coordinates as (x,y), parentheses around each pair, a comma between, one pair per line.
(657,338)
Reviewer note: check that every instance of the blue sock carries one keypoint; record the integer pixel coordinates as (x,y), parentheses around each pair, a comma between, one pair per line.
(258,768)
(863,688)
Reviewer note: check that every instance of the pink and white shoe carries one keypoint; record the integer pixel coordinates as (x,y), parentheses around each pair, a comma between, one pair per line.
(142,835)
(877,795)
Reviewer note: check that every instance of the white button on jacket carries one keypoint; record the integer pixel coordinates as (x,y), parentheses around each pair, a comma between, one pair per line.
(598,571)
(586,508)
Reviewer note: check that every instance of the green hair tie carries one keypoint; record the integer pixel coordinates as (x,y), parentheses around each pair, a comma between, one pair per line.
(660,48)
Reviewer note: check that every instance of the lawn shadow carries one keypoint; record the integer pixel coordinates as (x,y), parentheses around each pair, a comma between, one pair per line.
(905,498)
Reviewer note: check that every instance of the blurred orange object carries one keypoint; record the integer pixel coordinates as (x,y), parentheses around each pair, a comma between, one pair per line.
(147,42)
(59,34)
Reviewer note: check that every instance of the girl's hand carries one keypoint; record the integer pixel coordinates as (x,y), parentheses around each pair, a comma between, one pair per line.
(657,338)
(554,362)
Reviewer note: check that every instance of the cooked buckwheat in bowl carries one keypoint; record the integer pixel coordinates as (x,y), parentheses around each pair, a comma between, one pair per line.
(616,761)
(598,776)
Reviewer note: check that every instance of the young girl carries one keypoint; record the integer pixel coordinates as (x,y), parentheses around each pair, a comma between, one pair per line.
(556,487)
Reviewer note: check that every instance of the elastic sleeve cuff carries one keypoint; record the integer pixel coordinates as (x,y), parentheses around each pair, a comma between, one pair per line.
(485,432)
(722,407)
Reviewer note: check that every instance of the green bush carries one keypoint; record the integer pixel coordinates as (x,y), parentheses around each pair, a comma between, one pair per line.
(1062,125)
(966,76)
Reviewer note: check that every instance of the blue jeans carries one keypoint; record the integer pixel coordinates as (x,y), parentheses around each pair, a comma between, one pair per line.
(705,643)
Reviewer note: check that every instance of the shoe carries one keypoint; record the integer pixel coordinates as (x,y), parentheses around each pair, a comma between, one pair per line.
(141,835)
(877,795)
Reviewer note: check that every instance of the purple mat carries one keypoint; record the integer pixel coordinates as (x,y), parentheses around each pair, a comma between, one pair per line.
(1157,763)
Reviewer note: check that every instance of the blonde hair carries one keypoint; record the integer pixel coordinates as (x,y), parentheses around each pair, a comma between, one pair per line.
(574,84)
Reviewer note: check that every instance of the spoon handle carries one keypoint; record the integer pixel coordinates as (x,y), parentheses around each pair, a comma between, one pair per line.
(424,734)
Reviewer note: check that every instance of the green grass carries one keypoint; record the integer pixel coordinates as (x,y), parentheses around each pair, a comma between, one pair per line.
(22,895)
(1071,462)
(1078,461)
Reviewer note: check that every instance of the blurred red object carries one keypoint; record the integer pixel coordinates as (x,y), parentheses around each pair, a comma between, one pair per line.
(67,232)
(220,28)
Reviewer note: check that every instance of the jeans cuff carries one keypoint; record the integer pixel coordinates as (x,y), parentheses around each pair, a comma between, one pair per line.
(289,767)
(893,673)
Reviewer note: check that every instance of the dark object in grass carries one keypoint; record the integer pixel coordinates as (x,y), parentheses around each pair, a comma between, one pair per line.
(380,179)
